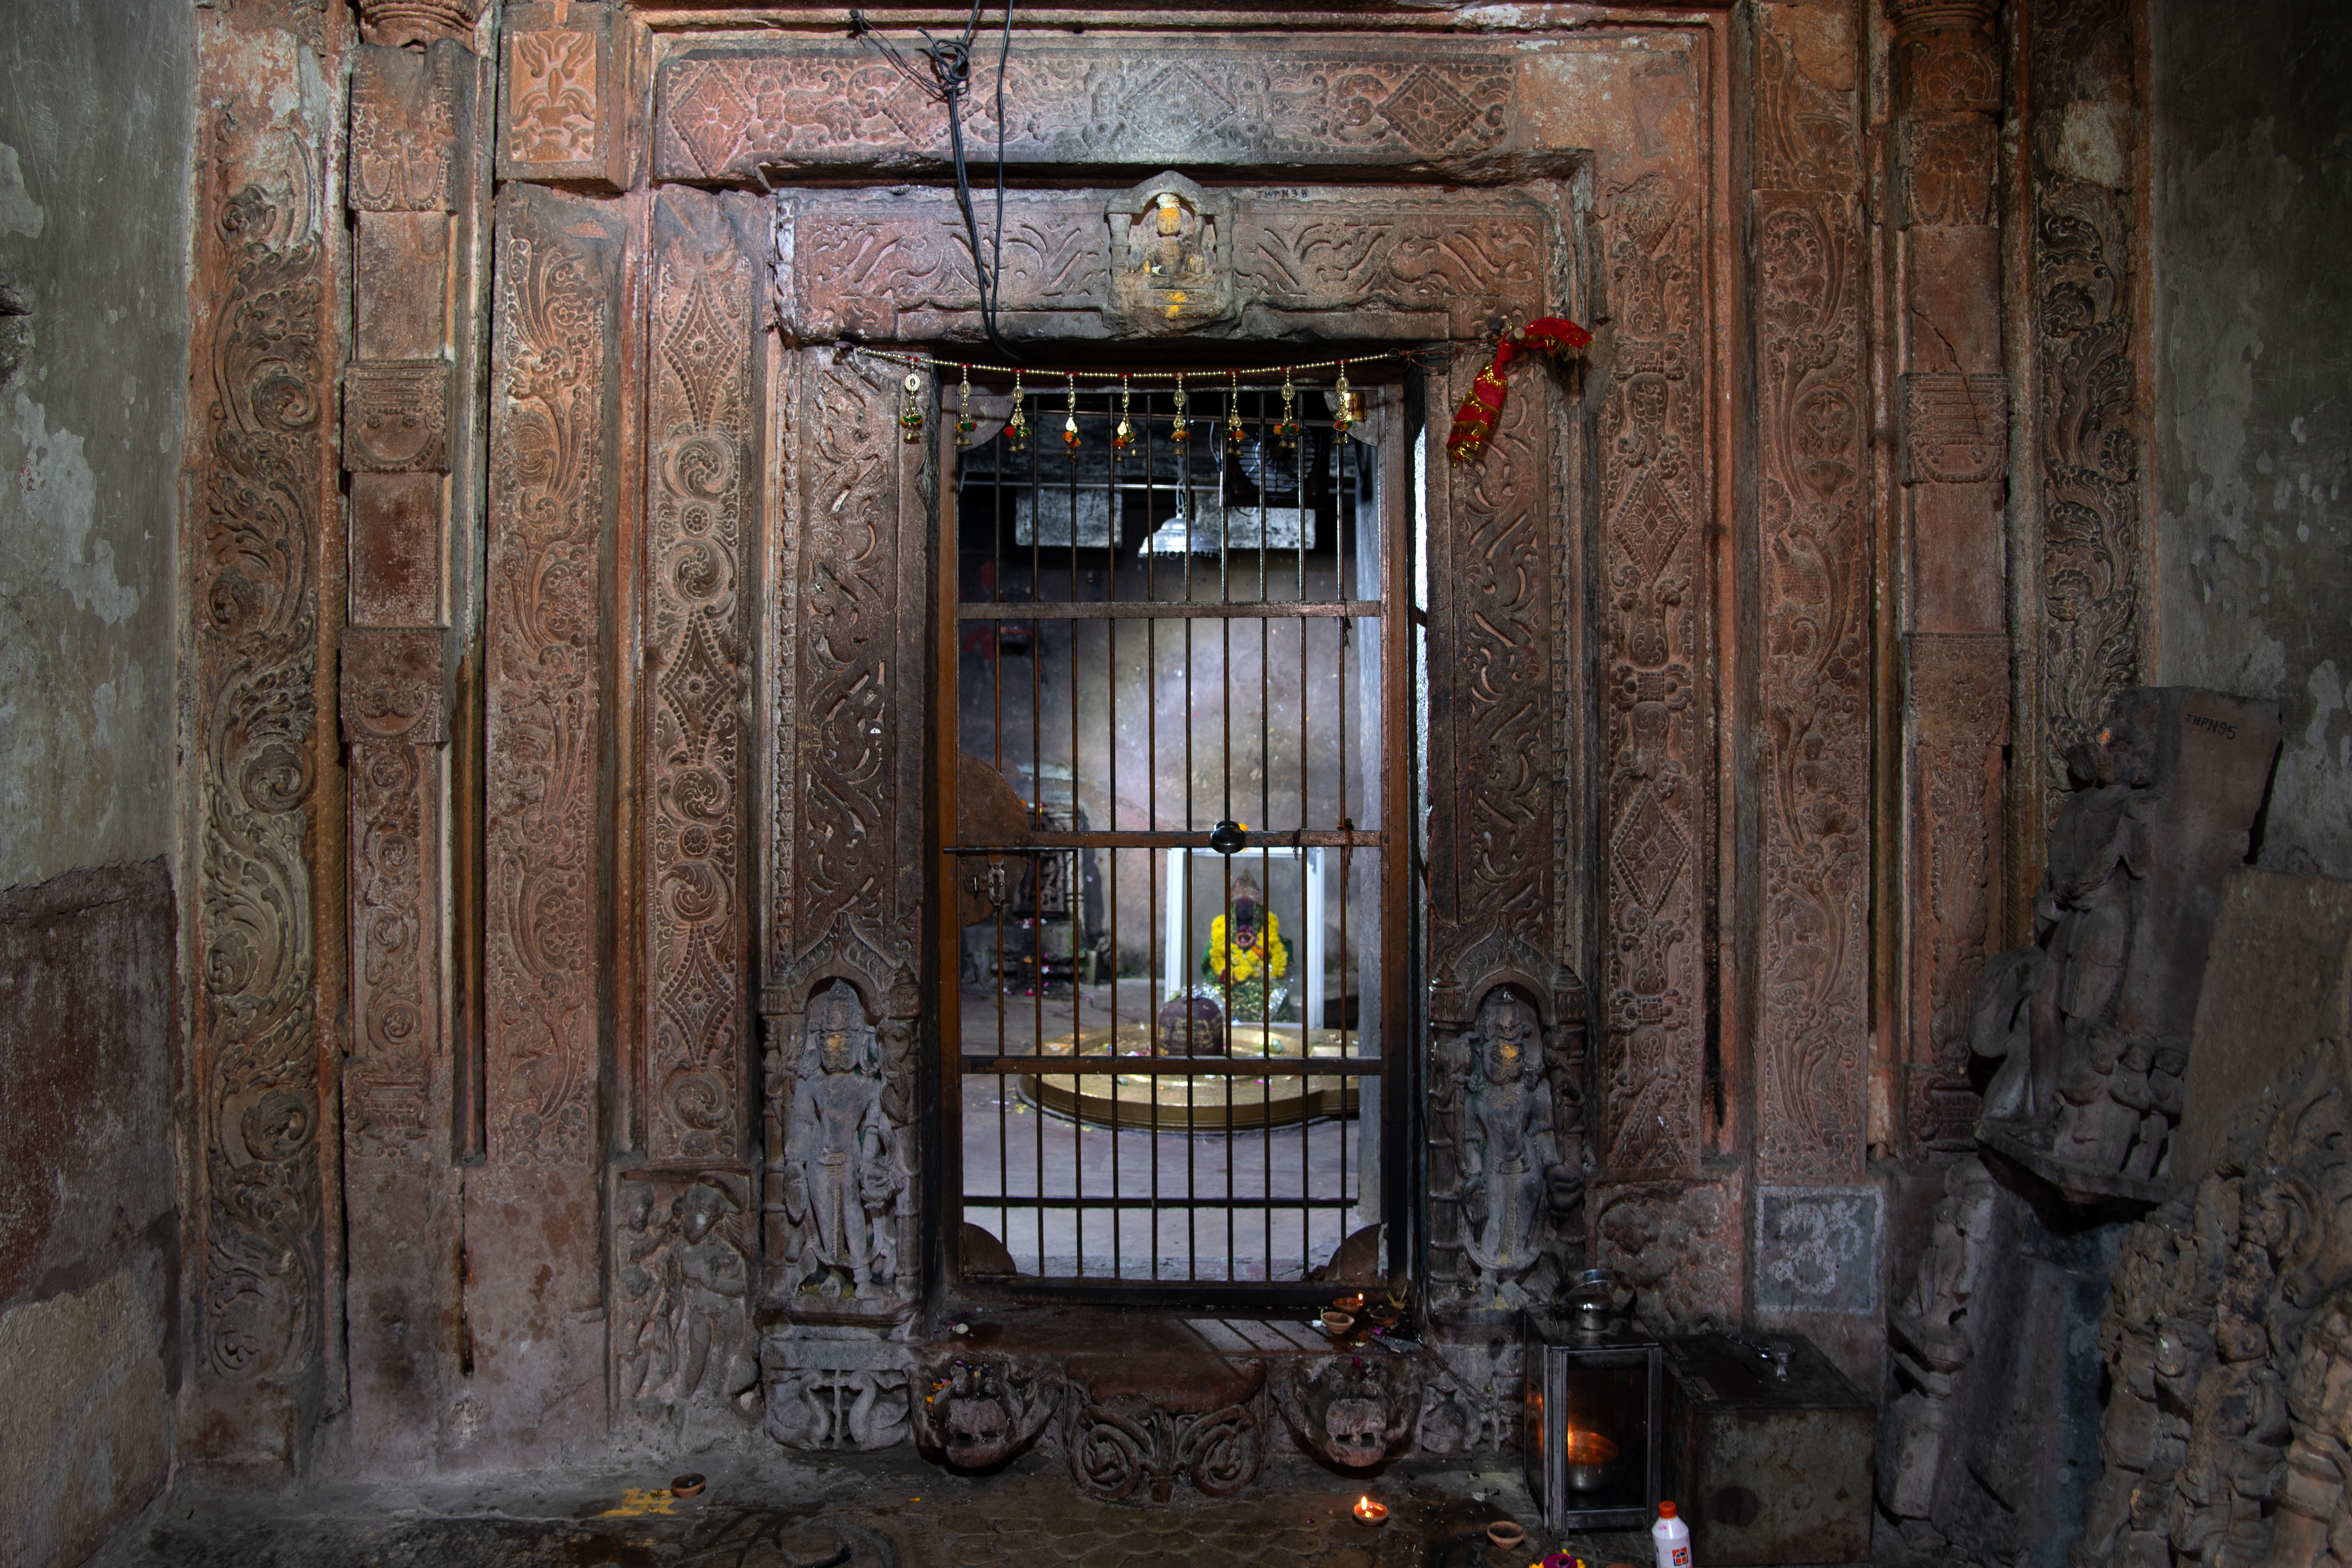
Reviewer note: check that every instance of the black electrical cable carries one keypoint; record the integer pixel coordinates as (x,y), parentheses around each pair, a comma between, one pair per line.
(950,62)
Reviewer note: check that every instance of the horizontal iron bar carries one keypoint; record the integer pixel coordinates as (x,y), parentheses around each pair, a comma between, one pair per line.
(1202,1296)
(1181,1067)
(1159,610)
(1136,838)
(1166,1206)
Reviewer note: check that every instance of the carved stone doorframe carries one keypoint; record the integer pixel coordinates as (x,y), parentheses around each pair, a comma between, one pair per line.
(704,554)
(1611,477)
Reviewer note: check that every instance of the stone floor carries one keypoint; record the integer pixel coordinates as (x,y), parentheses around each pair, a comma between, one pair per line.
(865,1511)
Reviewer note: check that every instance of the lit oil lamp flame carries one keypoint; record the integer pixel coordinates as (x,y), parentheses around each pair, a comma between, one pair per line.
(1367,1511)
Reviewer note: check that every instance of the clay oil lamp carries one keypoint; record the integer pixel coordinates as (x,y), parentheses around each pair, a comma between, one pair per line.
(1337,1323)
(1382,1315)
(1350,1303)
(1367,1511)
(686,1485)
(1506,1536)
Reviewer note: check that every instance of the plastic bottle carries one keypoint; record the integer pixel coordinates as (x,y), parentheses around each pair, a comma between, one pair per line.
(1673,1537)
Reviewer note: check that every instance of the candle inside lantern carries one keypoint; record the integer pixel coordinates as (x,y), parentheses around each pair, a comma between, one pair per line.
(1367,1511)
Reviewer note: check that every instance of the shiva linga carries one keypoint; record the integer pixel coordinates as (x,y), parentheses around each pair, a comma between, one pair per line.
(1238,1009)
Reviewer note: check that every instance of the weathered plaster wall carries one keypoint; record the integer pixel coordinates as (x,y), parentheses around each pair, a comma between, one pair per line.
(95,139)
(2254,402)
(94,136)
(89,1216)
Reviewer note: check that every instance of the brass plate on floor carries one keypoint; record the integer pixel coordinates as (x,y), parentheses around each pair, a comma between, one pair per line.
(1187,1103)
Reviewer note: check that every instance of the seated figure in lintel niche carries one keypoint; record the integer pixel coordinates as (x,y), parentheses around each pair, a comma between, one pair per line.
(1246,960)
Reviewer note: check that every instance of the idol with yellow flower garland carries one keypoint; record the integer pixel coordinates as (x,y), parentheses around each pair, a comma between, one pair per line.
(1246,960)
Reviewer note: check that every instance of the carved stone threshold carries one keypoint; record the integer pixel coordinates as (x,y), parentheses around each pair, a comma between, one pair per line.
(2130,1196)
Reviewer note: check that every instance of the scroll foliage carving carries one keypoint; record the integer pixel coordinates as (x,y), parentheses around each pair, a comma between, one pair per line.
(701,416)
(1963,682)
(1472,267)
(860,264)
(1657,807)
(256,591)
(726,111)
(1495,625)
(2094,552)
(848,846)
(552,119)
(1805,132)
(545,720)
(392,722)
(1815,686)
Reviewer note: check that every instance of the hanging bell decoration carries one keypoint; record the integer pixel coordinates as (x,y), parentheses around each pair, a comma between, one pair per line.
(911,413)
(1016,430)
(1070,437)
(1181,431)
(1235,434)
(965,423)
(1346,410)
(1123,438)
(1286,429)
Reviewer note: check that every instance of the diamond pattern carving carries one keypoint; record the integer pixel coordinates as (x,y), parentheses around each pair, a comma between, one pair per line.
(1650,851)
(1182,96)
(1426,112)
(698,684)
(709,117)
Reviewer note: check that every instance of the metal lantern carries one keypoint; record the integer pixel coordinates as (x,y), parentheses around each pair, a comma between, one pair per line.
(1594,1434)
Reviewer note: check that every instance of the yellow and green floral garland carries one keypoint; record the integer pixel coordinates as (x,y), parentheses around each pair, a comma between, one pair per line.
(1245,961)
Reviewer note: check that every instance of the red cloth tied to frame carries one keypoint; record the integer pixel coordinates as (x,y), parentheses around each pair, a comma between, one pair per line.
(1473,422)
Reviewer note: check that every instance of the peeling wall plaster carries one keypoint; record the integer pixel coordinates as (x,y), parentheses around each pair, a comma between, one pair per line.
(95,125)
(2255,403)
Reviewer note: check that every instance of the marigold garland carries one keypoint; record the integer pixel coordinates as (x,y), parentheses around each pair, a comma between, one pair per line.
(1244,961)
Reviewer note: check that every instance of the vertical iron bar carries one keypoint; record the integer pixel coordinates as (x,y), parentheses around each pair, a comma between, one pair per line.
(1033,869)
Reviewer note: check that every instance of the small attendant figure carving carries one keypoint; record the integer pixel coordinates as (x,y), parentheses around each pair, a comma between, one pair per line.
(712,1285)
(842,1181)
(685,1285)
(647,1363)
(1509,1152)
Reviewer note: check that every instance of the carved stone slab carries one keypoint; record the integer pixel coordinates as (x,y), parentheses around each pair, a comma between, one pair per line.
(554,390)
(2089,387)
(563,94)
(410,111)
(1817,1249)
(1955,428)
(836,1388)
(1812,1045)
(396,416)
(1328,263)
(260,762)
(684,1251)
(1959,694)
(723,111)
(1657,727)
(701,511)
